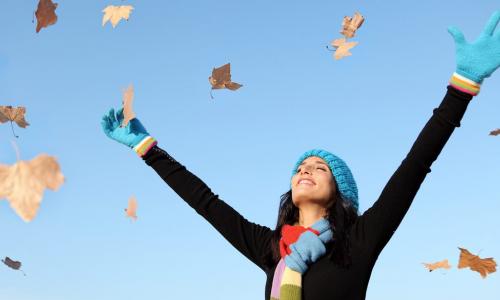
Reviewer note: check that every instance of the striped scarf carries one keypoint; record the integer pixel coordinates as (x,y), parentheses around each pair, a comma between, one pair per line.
(299,247)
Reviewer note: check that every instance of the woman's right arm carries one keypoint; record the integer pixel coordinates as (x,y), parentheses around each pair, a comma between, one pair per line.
(251,239)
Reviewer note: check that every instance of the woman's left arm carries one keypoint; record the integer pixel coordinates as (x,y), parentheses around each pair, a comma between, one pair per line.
(475,62)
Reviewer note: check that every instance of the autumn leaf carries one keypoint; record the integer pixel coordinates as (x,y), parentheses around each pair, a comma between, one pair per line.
(45,14)
(13,114)
(115,13)
(342,48)
(16,265)
(440,264)
(350,25)
(495,132)
(483,266)
(23,183)
(221,78)
(131,210)
(128,112)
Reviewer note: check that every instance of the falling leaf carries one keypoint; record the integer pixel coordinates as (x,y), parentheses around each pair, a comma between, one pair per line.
(131,210)
(115,13)
(16,265)
(24,182)
(337,43)
(342,47)
(440,264)
(13,114)
(221,78)
(45,14)
(350,25)
(495,132)
(128,112)
(481,265)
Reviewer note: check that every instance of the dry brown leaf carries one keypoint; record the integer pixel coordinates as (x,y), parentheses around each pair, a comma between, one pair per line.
(13,114)
(440,264)
(115,13)
(495,132)
(483,266)
(45,14)
(128,112)
(342,47)
(131,210)
(221,78)
(350,25)
(16,265)
(24,182)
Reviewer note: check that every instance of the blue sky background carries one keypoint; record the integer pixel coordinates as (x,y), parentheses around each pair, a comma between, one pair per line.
(367,108)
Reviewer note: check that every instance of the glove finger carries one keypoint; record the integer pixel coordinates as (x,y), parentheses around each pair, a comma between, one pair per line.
(112,117)
(489,29)
(105,121)
(457,35)
(106,126)
(119,116)
(110,124)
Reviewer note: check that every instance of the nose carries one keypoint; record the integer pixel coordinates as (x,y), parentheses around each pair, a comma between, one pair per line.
(306,169)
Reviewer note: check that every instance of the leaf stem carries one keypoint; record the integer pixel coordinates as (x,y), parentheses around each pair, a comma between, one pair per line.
(12,127)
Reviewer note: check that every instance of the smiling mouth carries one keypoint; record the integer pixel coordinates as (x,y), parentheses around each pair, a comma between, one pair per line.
(305,182)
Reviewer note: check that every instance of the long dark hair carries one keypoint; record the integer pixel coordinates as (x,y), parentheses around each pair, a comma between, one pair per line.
(341,216)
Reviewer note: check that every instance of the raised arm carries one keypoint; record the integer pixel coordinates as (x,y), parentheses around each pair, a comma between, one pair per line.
(252,240)
(475,61)
(379,222)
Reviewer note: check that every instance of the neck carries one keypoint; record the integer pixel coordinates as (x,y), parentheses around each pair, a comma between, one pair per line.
(310,215)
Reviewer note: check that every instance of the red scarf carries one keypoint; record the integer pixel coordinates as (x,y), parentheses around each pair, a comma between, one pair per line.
(289,235)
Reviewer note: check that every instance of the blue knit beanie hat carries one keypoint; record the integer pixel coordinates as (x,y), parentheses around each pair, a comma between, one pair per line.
(341,173)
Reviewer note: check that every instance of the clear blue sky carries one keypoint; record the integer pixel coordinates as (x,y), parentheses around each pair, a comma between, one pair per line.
(367,108)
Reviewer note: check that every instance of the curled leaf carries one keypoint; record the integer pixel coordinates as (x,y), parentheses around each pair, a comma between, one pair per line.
(483,266)
(437,265)
(45,14)
(128,112)
(495,132)
(131,210)
(350,25)
(16,265)
(221,78)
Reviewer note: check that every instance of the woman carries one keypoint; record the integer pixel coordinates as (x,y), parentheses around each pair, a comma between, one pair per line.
(321,248)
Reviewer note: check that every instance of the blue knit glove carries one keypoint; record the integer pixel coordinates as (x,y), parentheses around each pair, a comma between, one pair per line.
(134,135)
(480,59)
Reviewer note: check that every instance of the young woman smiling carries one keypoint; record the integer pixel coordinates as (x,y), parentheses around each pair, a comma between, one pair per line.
(321,247)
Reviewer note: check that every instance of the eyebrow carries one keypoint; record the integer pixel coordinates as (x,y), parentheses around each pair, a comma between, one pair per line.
(318,162)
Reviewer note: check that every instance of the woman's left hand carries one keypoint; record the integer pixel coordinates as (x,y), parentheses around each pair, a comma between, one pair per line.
(478,60)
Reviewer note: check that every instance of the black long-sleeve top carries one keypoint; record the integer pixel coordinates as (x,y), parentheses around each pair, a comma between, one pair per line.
(370,232)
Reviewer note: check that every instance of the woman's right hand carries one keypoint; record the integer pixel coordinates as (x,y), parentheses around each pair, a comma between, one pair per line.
(131,135)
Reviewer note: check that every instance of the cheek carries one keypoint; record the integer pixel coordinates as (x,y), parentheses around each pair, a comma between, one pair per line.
(329,184)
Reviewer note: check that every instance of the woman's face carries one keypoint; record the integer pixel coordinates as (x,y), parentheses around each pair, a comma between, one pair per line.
(313,182)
